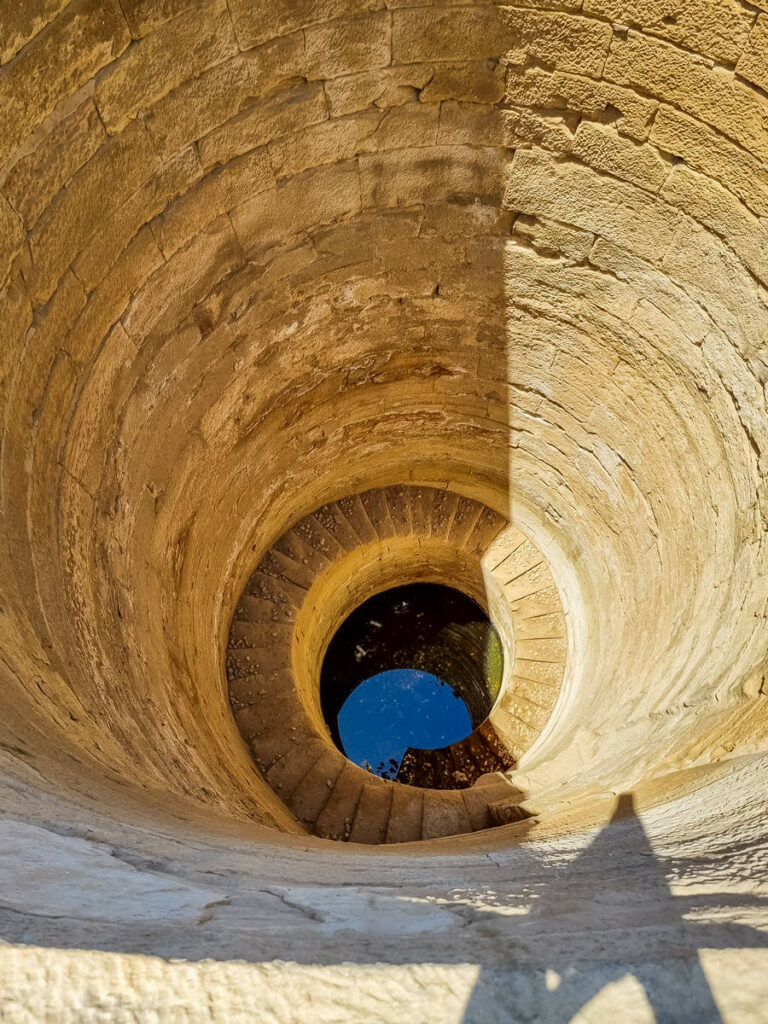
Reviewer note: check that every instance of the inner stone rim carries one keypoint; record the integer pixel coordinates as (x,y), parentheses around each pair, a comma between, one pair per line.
(428,627)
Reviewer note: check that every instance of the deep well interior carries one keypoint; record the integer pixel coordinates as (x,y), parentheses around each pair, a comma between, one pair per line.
(501,267)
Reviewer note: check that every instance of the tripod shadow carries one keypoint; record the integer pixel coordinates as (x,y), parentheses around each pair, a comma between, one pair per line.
(629,924)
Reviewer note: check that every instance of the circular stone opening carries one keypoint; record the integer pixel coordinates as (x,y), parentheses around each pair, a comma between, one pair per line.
(416,667)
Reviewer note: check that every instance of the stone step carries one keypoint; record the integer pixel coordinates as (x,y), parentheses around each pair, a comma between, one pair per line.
(372,814)
(443,769)
(292,545)
(420,500)
(335,819)
(288,772)
(354,512)
(443,510)
(549,626)
(464,520)
(333,521)
(399,510)
(522,559)
(279,592)
(259,634)
(444,814)
(487,790)
(405,816)
(259,609)
(309,799)
(314,534)
(487,527)
(377,509)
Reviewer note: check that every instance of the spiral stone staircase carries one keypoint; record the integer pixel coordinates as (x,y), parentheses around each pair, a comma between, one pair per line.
(304,300)
(362,541)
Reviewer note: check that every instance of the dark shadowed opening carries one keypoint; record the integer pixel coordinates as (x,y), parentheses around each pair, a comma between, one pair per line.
(415,667)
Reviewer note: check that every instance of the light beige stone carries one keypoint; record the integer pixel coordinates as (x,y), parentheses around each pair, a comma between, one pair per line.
(504,264)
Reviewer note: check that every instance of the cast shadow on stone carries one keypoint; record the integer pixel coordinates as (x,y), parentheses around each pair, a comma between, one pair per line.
(632,927)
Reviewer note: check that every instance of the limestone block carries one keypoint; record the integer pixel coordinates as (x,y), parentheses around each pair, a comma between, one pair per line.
(301,204)
(144,16)
(118,228)
(188,274)
(113,174)
(465,124)
(201,104)
(597,101)
(89,34)
(553,239)
(710,153)
(617,210)
(295,107)
(716,29)
(222,189)
(331,141)
(564,42)
(714,206)
(16,314)
(711,94)
(469,82)
(401,177)
(753,63)
(346,45)
(256,23)
(21,22)
(383,88)
(109,300)
(41,171)
(601,148)
(158,62)
(12,237)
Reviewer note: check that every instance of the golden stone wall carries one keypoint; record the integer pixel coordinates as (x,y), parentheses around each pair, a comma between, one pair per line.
(259,255)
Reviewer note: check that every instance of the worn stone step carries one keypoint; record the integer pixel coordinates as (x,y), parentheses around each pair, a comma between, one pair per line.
(336,524)
(540,627)
(496,745)
(250,689)
(487,790)
(443,510)
(279,592)
(335,819)
(527,584)
(399,510)
(372,814)
(287,773)
(443,769)
(259,609)
(420,500)
(465,517)
(354,512)
(517,735)
(303,562)
(405,815)
(444,814)
(312,794)
(465,770)
(522,559)
(259,634)
(485,530)
(313,533)
(375,504)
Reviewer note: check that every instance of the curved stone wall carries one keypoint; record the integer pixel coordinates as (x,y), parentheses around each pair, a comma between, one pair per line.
(257,257)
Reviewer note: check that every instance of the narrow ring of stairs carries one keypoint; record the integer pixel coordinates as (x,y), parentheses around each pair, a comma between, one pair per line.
(455,790)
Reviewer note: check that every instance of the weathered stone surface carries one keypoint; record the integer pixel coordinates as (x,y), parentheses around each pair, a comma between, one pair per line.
(156,64)
(89,34)
(256,257)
